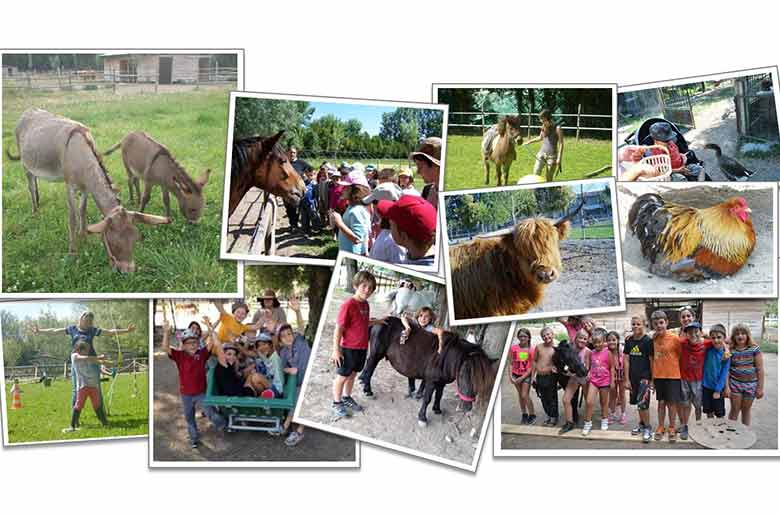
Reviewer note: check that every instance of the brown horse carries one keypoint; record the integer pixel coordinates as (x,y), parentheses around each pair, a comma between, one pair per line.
(260,161)
(417,358)
(500,148)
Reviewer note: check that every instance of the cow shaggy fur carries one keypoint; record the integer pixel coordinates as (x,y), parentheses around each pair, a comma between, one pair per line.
(506,275)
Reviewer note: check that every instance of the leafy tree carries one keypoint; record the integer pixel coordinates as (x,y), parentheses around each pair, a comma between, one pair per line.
(554,199)
(267,116)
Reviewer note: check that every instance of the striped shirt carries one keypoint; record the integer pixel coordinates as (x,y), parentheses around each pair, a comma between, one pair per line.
(743,364)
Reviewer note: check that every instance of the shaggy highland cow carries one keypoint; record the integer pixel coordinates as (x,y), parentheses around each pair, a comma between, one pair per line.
(506,274)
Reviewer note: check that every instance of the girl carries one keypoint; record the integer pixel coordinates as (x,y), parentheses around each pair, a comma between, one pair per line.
(423,319)
(406,182)
(522,355)
(746,373)
(551,152)
(294,352)
(581,339)
(355,225)
(601,378)
(230,381)
(686,317)
(617,394)
(195,329)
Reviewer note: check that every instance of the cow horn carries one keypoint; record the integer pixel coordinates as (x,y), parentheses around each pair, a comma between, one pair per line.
(570,214)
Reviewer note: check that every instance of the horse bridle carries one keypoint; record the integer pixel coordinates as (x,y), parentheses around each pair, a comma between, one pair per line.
(462,396)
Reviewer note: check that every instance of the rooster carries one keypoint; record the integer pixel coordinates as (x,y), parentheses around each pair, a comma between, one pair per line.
(691,244)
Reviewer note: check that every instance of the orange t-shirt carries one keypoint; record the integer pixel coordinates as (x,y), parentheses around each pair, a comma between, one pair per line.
(666,356)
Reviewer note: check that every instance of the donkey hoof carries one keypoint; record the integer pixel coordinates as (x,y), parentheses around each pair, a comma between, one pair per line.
(421,423)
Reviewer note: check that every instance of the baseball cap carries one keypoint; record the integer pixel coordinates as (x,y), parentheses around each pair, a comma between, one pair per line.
(413,215)
(405,172)
(384,192)
(430,148)
(189,334)
(692,326)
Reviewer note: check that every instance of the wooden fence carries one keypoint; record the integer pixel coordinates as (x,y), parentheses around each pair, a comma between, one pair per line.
(488,118)
(35,371)
(86,80)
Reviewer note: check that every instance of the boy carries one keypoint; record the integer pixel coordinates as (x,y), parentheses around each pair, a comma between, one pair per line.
(413,227)
(87,383)
(191,363)
(638,374)
(544,380)
(350,343)
(231,326)
(665,367)
(693,348)
(716,370)
(310,218)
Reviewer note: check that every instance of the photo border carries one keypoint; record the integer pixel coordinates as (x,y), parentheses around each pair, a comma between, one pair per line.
(735,185)
(436,86)
(642,453)
(259,259)
(376,442)
(153,464)
(4,401)
(240,82)
(536,315)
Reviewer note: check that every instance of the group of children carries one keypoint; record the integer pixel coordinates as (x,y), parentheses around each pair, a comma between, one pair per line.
(85,365)
(376,213)
(248,359)
(689,371)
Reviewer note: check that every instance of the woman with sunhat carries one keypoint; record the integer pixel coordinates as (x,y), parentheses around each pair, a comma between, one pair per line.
(427,158)
(270,310)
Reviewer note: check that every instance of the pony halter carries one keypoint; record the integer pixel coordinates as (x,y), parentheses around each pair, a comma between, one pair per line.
(462,396)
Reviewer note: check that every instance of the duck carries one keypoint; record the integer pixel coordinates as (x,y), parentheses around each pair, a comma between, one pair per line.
(733,169)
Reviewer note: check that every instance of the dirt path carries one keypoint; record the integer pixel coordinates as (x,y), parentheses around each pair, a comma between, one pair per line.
(390,417)
(170,442)
(764,421)
(589,278)
(755,278)
(298,244)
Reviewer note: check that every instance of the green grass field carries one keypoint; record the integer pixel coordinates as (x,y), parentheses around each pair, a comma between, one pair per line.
(464,161)
(177,257)
(46,411)
(591,232)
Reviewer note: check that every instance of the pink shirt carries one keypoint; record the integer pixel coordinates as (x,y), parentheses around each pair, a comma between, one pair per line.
(521,359)
(600,375)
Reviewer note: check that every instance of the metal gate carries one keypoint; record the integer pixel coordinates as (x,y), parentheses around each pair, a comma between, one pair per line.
(676,106)
(755,106)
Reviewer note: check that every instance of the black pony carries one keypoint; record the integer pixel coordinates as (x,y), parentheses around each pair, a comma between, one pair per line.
(566,360)
(460,361)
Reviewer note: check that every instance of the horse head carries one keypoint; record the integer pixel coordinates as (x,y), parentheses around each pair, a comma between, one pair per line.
(474,379)
(274,172)
(510,126)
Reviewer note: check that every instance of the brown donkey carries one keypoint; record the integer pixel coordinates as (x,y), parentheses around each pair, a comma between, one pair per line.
(498,146)
(260,161)
(146,158)
(56,149)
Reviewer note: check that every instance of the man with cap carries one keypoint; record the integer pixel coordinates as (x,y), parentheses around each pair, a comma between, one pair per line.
(427,158)
(413,226)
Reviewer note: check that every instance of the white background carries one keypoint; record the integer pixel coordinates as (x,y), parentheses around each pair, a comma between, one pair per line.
(395,50)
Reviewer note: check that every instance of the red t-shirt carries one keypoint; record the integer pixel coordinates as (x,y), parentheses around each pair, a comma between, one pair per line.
(353,319)
(692,359)
(192,370)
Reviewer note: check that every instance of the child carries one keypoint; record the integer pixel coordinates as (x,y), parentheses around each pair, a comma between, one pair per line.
(385,249)
(570,397)
(601,378)
(543,378)
(294,353)
(665,364)
(522,356)
(693,349)
(87,383)
(406,182)
(350,343)
(310,218)
(617,395)
(191,363)
(746,373)
(575,323)
(269,365)
(355,225)
(638,374)
(413,227)
(716,370)
(686,317)
(231,327)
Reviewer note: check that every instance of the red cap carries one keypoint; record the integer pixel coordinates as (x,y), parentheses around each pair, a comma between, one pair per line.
(414,216)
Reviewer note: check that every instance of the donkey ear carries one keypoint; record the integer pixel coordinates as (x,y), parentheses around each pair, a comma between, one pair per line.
(146,218)
(98,227)
(201,182)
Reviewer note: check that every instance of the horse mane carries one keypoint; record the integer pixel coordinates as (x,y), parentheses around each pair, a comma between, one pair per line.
(241,149)
(83,131)
(482,375)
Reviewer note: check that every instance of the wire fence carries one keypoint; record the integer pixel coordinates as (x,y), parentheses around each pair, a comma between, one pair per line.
(116,81)
(489,118)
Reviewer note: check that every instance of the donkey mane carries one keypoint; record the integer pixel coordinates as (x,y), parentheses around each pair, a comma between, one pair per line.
(83,131)
(164,152)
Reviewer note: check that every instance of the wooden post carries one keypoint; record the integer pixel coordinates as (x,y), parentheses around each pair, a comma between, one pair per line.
(65,370)
(156,81)
(29,81)
(113,82)
(482,109)
(528,135)
(579,112)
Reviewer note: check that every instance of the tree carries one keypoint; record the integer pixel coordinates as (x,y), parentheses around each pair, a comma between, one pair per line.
(400,126)
(554,199)
(330,132)
(268,116)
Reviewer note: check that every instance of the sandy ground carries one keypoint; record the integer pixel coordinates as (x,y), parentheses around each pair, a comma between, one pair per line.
(390,417)
(754,279)
(589,278)
(764,421)
(170,433)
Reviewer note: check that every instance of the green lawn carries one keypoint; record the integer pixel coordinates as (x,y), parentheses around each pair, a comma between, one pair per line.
(591,232)
(464,161)
(46,411)
(174,258)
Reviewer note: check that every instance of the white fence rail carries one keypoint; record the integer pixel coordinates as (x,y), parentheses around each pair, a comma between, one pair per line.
(579,115)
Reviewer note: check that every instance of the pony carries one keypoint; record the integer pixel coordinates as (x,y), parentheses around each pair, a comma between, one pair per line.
(498,146)
(260,161)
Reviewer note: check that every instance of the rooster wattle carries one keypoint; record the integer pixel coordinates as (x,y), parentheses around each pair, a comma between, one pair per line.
(691,244)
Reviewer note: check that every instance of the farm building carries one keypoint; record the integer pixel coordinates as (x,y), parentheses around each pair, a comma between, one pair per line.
(167,69)
(10,71)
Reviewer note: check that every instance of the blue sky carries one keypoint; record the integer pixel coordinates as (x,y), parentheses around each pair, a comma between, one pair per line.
(369,116)
(33,309)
